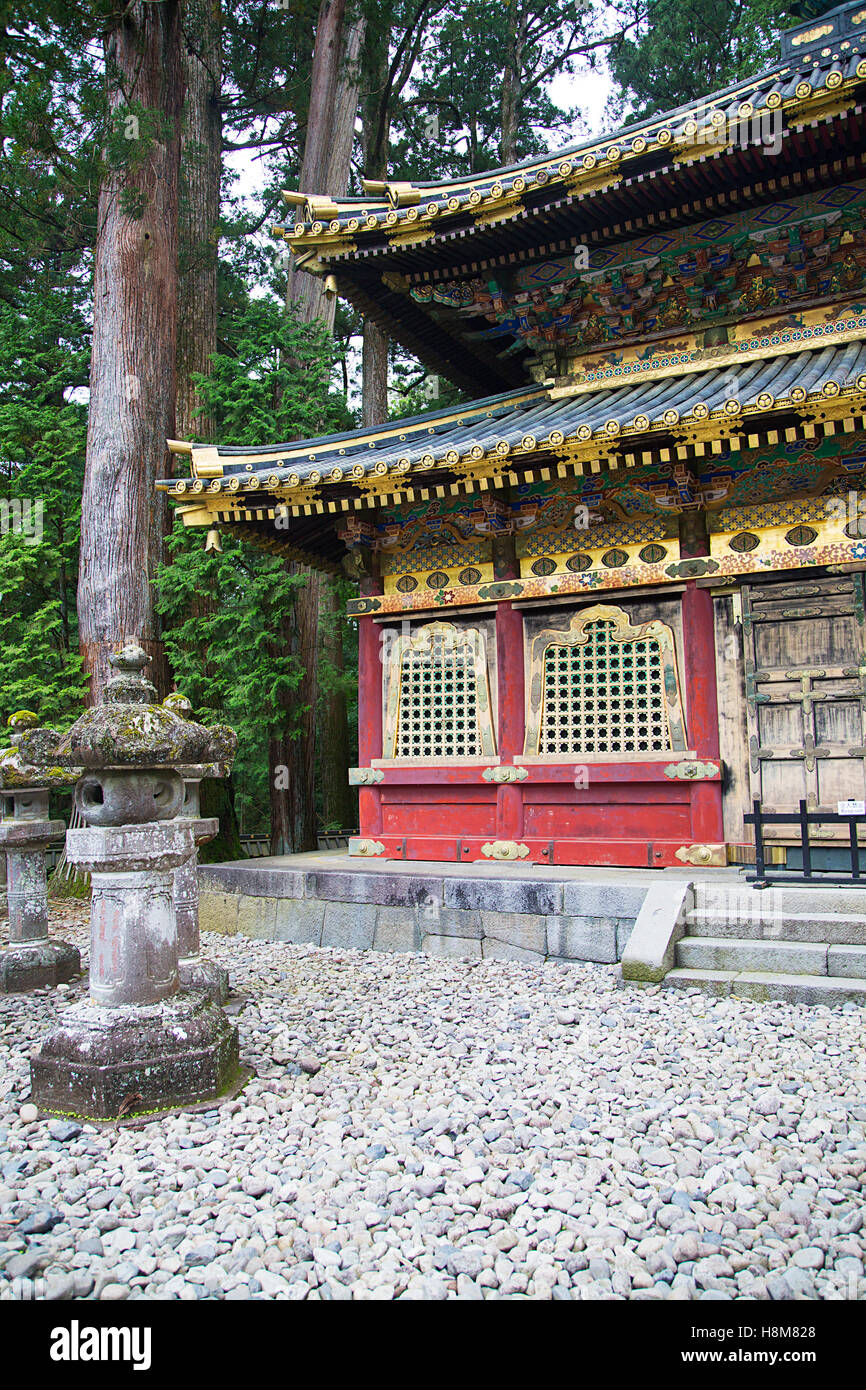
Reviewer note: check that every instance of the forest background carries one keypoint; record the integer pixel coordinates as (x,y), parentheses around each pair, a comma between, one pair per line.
(143,148)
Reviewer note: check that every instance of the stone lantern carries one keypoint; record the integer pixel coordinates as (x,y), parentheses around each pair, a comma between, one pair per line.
(31,960)
(140,1043)
(195,971)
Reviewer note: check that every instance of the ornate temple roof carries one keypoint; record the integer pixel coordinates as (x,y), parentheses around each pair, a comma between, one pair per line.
(721,308)
(408,254)
(508,437)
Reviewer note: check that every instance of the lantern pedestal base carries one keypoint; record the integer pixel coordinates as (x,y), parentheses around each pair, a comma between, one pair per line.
(40,964)
(100,1063)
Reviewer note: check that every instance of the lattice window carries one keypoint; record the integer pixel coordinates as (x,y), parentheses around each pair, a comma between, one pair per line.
(604,687)
(438,700)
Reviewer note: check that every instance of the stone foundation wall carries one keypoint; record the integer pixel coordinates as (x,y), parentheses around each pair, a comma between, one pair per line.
(480,918)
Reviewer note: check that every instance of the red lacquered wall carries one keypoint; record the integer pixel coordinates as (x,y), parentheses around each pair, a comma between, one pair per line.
(646,813)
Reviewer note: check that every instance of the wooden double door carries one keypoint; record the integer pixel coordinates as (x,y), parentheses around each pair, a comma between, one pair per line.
(805,672)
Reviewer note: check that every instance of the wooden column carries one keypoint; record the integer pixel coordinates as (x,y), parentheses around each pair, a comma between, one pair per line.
(703,708)
(504,556)
(369,704)
(510,688)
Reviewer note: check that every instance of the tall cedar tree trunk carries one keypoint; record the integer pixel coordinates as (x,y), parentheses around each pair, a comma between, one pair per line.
(339,801)
(293,807)
(374,375)
(329,135)
(333,729)
(325,169)
(375,140)
(132,372)
(199,210)
(385,75)
(511,84)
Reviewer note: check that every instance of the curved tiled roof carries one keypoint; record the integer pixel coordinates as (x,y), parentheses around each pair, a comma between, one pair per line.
(530,422)
(795,129)
(799,88)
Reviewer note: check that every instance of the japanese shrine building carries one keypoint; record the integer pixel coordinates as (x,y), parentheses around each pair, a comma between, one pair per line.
(620,594)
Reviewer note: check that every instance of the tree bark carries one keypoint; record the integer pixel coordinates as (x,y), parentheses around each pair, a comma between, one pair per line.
(218,800)
(346,109)
(198,256)
(338,800)
(291,758)
(374,374)
(199,210)
(334,88)
(132,373)
(511,85)
(325,169)
(375,140)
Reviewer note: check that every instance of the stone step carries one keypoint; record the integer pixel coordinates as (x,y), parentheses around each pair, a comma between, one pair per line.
(728,953)
(766,985)
(780,900)
(849,961)
(760,922)
(716,982)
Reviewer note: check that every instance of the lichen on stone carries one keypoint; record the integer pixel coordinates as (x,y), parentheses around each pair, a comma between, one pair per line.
(130,730)
(31,763)
(23,719)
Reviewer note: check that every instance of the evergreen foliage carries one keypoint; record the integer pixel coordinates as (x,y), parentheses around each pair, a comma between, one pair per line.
(44,352)
(272,383)
(451,122)
(685,49)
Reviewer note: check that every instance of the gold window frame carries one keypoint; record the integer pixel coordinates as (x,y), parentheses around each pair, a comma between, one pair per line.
(577,635)
(431,641)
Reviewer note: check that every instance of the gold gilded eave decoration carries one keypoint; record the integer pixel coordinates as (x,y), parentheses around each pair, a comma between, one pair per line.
(823,105)
(589,170)
(205,460)
(594,180)
(826,403)
(748,343)
(409,234)
(500,206)
(811,35)
(197,515)
(295,497)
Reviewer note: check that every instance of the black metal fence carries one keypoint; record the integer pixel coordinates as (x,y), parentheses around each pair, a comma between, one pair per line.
(259,846)
(856,878)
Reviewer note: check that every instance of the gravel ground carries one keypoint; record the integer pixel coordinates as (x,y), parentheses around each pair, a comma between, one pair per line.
(432,1129)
